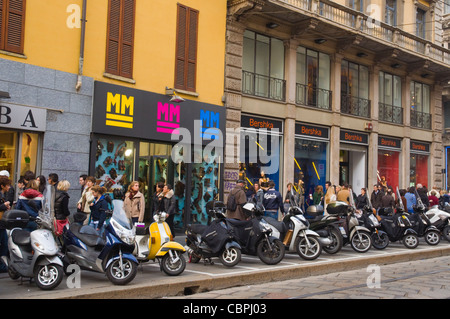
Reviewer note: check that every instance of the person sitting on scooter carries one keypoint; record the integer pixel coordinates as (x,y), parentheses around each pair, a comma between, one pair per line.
(98,208)
(31,201)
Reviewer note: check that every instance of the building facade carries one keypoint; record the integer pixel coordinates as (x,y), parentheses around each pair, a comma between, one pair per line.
(352,91)
(119,89)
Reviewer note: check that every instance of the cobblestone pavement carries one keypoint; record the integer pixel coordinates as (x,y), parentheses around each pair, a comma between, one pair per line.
(422,279)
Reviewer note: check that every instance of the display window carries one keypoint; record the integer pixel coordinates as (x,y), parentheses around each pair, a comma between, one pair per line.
(419,169)
(388,168)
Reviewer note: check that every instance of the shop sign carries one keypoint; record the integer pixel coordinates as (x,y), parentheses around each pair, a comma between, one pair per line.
(311,131)
(389,142)
(23,118)
(124,111)
(354,137)
(419,147)
(248,121)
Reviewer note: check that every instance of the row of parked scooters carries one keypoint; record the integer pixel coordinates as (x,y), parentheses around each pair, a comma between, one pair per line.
(45,257)
(343,224)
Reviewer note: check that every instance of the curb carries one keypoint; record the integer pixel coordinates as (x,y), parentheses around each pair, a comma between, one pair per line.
(179,286)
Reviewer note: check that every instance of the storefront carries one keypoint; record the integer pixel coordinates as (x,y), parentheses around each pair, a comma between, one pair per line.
(311,156)
(353,159)
(388,170)
(420,153)
(21,139)
(140,135)
(261,154)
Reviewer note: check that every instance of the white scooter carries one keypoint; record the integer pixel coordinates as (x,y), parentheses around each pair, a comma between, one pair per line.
(440,219)
(32,254)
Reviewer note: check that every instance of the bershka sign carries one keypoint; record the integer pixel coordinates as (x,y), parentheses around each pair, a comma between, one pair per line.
(23,118)
(124,111)
(354,137)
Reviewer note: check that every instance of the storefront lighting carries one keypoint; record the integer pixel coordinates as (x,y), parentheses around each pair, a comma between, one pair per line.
(128,152)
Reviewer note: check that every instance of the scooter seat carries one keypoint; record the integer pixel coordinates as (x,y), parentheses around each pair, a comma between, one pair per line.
(198,228)
(21,237)
(87,235)
(280,226)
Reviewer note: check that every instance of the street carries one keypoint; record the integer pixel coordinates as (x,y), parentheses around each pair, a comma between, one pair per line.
(320,278)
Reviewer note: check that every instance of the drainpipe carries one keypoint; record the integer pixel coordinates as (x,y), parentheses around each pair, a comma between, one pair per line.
(81,59)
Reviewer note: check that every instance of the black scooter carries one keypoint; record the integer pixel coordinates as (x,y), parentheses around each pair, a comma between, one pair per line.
(214,240)
(422,224)
(327,226)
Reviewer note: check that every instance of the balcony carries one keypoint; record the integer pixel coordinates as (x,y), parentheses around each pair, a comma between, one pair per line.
(355,106)
(263,86)
(420,120)
(314,97)
(390,113)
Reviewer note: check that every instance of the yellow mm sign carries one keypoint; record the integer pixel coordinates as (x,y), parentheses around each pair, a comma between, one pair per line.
(119,110)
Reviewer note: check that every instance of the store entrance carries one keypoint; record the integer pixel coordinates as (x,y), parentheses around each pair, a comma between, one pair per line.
(353,166)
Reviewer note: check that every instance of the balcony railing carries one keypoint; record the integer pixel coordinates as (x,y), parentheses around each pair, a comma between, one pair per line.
(420,119)
(263,86)
(390,113)
(360,22)
(314,97)
(355,105)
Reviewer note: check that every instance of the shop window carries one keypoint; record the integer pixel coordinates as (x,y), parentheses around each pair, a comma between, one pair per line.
(8,147)
(388,166)
(114,165)
(419,169)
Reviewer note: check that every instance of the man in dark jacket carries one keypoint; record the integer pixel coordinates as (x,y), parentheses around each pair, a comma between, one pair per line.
(376,197)
(388,202)
(273,201)
(240,199)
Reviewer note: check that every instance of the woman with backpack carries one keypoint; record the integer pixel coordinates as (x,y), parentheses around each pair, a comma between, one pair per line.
(134,203)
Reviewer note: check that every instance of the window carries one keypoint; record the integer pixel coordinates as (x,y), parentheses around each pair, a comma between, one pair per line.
(119,49)
(420,23)
(420,105)
(263,66)
(391,12)
(313,78)
(390,98)
(12,21)
(355,89)
(186,48)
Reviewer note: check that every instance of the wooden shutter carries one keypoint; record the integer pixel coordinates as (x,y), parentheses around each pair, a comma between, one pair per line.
(186,48)
(120,43)
(12,21)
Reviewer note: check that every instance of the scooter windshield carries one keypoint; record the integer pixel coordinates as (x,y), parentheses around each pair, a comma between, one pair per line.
(120,216)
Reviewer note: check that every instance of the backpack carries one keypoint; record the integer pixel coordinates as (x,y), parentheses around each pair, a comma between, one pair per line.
(110,209)
(231,202)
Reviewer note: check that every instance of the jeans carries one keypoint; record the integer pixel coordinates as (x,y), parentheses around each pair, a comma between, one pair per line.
(271,213)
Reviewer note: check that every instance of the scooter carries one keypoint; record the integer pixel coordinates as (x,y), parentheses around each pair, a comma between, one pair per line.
(156,243)
(440,219)
(110,253)
(214,240)
(422,224)
(327,226)
(254,236)
(369,219)
(32,254)
(358,236)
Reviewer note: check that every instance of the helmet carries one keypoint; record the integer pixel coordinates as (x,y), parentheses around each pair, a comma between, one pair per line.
(315,210)
(249,209)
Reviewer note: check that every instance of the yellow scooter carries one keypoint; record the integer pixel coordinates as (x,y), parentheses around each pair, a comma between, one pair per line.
(155,242)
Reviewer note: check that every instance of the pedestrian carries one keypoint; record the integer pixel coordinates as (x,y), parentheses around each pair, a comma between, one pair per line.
(402,193)
(329,197)
(422,192)
(169,206)
(236,200)
(98,208)
(86,198)
(31,201)
(318,195)
(50,192)
(61,206)
(42,183)
(410,199)
(291,197)
(27,177)
(134,203)
(82,182)
(156,197)
(21,186)
(362,200)
(5,185)
(10,195)
(387,203)
(258,197)
(376,197)
(273,201)
(433,199)
(344,194)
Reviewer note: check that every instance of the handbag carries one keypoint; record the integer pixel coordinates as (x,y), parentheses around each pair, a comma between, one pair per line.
(59,225)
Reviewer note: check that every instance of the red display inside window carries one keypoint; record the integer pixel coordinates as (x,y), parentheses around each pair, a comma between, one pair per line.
(419,169)
(388,166)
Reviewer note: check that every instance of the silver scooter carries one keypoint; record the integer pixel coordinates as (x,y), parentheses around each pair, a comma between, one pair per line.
(32,254)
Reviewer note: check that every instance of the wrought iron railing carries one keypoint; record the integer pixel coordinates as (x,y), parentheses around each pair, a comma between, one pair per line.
(355,105)
(310,96)
(263,86)
(420,119)
(390,113)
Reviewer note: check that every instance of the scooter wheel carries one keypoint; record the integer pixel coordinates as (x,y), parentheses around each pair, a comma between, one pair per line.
(432,237)
(121,275)
(380,240)
(230,257)
(446,232)
(308,247)
(361,241)
(173,268)
(337,243)
(270,253)
(48,277)
(410,241)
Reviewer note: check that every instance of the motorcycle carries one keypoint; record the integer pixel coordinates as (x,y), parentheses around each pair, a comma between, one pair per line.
(110,253)
(358,236)
(422,224)
(254,236)
(32,254)
(156,243)
(214,240)
(440,219)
